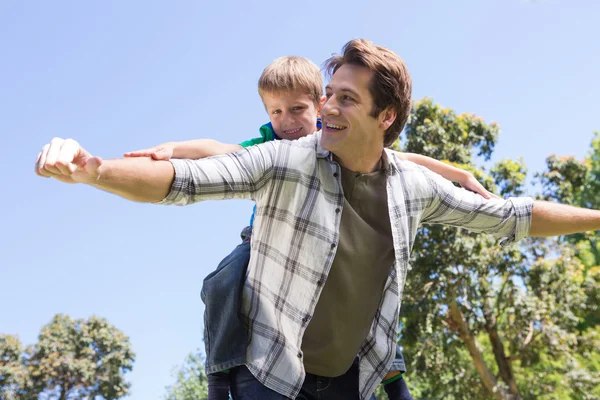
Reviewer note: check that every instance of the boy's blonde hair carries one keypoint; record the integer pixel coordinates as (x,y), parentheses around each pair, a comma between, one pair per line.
(291,73)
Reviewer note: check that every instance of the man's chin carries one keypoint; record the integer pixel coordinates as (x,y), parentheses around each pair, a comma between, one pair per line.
(327,144)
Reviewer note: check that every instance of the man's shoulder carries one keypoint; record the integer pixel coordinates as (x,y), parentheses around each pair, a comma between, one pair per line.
(414,179)
(308,142)
(404,166)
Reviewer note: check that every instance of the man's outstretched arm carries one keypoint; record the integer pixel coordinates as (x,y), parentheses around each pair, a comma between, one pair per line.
(241,175)
(553,219)
(140,179)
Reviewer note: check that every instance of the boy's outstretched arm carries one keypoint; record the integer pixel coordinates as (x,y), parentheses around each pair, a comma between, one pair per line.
(190,149)
(453,174)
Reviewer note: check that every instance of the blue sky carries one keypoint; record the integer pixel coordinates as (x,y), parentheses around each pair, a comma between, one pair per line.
(118,76)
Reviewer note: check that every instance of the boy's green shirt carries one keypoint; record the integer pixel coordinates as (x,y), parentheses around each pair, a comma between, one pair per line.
(266,135)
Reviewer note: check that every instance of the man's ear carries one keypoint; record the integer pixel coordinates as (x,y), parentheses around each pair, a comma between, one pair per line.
(321,102)
(387,118)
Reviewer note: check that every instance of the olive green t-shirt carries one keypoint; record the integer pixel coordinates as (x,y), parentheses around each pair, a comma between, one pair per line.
(346,308)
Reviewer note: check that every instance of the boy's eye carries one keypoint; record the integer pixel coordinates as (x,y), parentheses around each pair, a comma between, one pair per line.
(276,112)
(328,95)
(297,108)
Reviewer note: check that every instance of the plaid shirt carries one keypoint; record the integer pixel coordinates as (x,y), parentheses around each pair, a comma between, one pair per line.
(296,186)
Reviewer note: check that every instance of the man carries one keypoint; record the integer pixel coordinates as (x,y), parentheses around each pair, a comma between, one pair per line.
(334,198)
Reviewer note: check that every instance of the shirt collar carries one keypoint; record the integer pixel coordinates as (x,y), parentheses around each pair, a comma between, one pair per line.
(387,157)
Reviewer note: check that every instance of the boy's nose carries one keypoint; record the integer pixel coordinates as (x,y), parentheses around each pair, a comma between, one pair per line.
(289,118)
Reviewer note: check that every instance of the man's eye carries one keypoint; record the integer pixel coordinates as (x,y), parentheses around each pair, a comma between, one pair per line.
(347,98)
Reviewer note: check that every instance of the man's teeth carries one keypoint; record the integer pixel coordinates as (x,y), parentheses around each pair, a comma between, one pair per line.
(337,127)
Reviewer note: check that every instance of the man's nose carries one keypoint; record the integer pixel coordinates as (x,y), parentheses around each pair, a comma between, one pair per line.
(330,107)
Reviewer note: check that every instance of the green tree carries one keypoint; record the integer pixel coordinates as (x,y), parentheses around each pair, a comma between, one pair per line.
(73,359)
(14,381)
(479,319)
(576,182)
(190,380)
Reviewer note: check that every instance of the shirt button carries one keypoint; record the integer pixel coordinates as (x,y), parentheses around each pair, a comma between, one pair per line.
(299,355)
(335,174)
(337,210)
(306,318)
(333,245)
(320,282)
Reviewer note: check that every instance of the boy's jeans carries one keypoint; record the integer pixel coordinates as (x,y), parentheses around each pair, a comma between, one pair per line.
(225,334)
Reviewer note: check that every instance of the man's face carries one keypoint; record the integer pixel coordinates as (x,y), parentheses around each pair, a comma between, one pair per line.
(347,123)
(293,114)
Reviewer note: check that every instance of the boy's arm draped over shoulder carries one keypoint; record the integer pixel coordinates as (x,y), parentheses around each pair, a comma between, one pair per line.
(460,176)
(200,148)
(190,149)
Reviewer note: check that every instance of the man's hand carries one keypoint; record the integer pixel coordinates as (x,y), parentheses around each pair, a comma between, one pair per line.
(67,161)
(163,152)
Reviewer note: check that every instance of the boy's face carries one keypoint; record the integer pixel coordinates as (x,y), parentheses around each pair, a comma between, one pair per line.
(292,114)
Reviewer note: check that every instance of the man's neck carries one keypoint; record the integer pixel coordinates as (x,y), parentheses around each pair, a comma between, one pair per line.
(364,162)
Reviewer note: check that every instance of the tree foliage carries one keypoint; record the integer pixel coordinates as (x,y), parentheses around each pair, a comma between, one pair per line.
(481,320)
(190,380)
(73,359)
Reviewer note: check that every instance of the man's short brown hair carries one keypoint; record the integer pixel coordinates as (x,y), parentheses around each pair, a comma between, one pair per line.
(391,85)
(292,73)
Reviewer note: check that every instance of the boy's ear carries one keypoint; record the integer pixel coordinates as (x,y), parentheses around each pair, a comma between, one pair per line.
(387,118)
(323,100)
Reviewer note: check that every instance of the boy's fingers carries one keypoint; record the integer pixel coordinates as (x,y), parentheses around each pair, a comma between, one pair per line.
(161,155)
(140,153)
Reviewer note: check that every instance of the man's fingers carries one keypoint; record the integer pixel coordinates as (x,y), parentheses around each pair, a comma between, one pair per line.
(68,153)
(92,164)
(37,164)
(52,155)
(39,168)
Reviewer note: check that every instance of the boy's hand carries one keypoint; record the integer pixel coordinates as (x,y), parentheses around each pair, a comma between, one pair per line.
(162,153)
(472,184)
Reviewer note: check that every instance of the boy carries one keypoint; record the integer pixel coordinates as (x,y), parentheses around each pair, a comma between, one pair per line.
(291,89)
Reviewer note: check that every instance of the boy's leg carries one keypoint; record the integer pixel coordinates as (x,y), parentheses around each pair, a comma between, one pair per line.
(394,383)
(225,335)
(397,390)
(218,386)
